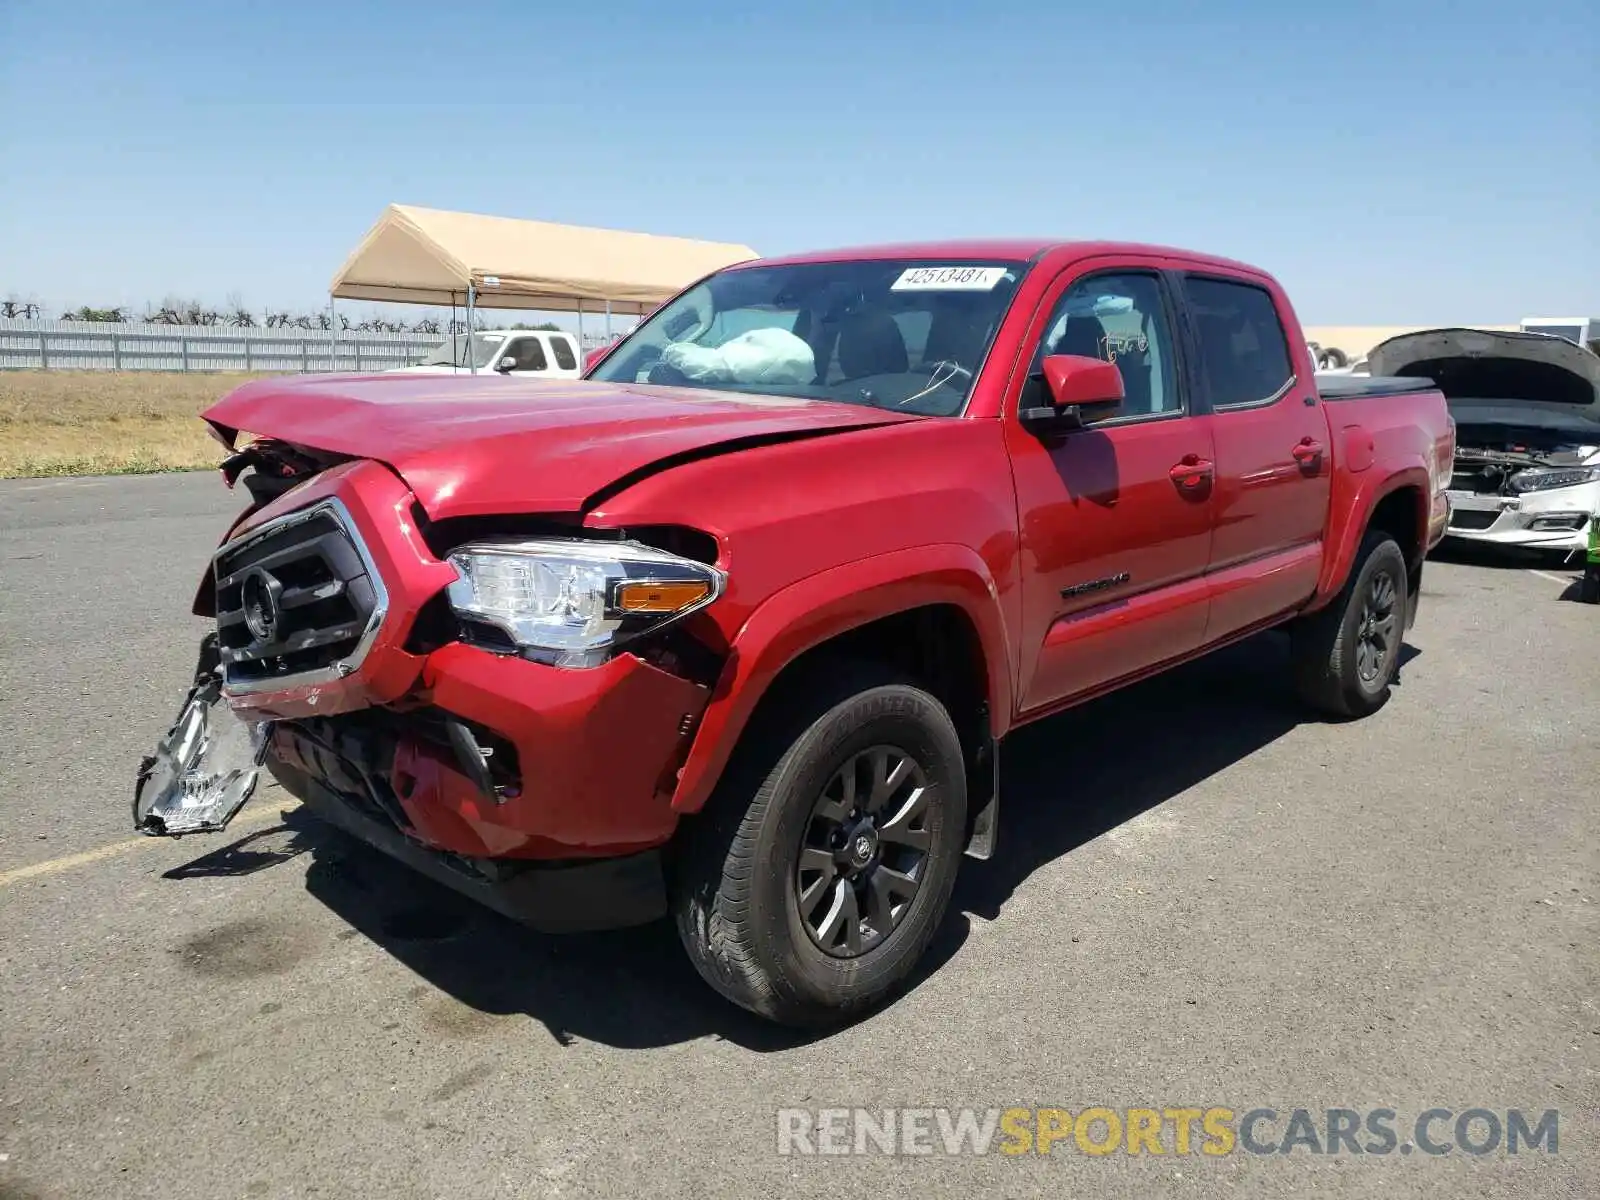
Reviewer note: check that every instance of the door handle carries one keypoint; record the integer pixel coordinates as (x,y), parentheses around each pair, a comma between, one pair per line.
(1193,475)
(1308,453)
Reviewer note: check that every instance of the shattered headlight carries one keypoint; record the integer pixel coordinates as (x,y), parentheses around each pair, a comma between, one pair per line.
(1539,479)
(570,602)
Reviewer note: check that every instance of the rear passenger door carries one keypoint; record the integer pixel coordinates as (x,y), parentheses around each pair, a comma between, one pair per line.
(1272,466)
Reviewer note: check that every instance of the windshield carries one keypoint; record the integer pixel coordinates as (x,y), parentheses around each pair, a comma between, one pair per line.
(901,334)
(453,351)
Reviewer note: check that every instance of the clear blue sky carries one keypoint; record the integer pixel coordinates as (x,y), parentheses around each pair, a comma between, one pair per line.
(1390,162)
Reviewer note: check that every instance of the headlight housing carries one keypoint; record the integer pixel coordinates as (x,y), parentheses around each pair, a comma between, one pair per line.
(1539,479)
(572,602)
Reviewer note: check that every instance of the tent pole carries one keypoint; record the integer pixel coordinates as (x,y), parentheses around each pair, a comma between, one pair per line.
(333,336)
(580,326)
(608,322)
(472,358)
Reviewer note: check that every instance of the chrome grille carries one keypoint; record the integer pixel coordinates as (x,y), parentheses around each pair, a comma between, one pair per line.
(298,601)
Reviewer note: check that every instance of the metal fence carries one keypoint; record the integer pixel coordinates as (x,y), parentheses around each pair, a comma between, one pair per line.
(103,346)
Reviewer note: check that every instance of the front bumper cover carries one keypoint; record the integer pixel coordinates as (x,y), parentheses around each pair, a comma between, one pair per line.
(1557,519)
(564,897)
(596,753)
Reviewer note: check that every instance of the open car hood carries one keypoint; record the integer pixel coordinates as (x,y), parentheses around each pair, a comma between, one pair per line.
(479,446)
(1526,379)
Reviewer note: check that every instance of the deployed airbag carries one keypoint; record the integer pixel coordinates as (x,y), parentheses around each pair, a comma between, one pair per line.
(760,356)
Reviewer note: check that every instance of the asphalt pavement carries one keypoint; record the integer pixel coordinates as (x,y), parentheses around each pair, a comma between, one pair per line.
(1202,899)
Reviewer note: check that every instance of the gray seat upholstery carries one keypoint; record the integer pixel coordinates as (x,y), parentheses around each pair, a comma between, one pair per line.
(1083,336)
(870,343)
(954,335)
(1086,336)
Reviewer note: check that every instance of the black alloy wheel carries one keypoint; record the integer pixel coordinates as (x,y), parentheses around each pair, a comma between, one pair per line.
(1377,633)
(861,860)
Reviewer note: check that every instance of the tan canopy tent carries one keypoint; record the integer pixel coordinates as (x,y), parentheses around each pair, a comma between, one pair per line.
(429,256)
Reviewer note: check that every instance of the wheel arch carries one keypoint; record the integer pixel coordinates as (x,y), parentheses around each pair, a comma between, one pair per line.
(1397,504)
(933,611)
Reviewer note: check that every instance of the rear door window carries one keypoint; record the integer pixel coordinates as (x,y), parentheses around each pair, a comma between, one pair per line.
(562,349)
(1244,355)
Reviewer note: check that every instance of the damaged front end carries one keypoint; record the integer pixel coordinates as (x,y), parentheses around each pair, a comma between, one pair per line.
(1523,486)
(1527,414)
(206,766)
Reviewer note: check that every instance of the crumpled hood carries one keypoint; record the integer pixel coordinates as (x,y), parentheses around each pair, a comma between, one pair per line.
(478,446)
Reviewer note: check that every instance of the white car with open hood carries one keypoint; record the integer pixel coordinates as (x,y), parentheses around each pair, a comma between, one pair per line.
(1527,414)
(540,353)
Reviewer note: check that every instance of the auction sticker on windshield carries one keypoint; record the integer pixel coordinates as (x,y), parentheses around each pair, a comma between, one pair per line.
(948,279)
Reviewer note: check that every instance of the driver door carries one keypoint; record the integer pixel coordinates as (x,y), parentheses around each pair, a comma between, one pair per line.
(1115,519)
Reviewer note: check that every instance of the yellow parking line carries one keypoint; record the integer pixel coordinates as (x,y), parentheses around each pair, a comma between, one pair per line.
(54,866)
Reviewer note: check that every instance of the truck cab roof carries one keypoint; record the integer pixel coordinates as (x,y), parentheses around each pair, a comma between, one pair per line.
(1011,249)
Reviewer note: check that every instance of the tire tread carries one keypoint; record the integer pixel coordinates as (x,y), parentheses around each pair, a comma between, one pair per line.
(1323,666)
(713,894)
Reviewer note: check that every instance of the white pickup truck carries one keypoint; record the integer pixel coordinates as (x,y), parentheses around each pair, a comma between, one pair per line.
(544,353)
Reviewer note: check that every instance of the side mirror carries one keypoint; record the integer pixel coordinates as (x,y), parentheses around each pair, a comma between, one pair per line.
(506,365)
(1082,391)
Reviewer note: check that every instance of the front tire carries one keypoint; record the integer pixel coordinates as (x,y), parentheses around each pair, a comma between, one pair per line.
(811,886)
(1346,655)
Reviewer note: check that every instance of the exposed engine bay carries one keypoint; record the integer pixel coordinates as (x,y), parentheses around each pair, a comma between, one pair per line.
(274,467)
(1487,459)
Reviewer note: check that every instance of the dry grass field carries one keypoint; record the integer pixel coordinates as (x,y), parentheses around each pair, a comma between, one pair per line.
(106,422)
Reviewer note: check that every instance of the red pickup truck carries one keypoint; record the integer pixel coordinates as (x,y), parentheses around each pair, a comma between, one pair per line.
(733,627)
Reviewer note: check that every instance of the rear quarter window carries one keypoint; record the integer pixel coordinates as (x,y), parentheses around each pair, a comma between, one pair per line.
(1244,354)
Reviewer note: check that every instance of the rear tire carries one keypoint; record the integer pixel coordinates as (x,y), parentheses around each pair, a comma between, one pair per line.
(1346,655)
(791,893)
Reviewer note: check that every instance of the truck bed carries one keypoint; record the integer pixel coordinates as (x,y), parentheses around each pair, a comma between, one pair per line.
(1364,387)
